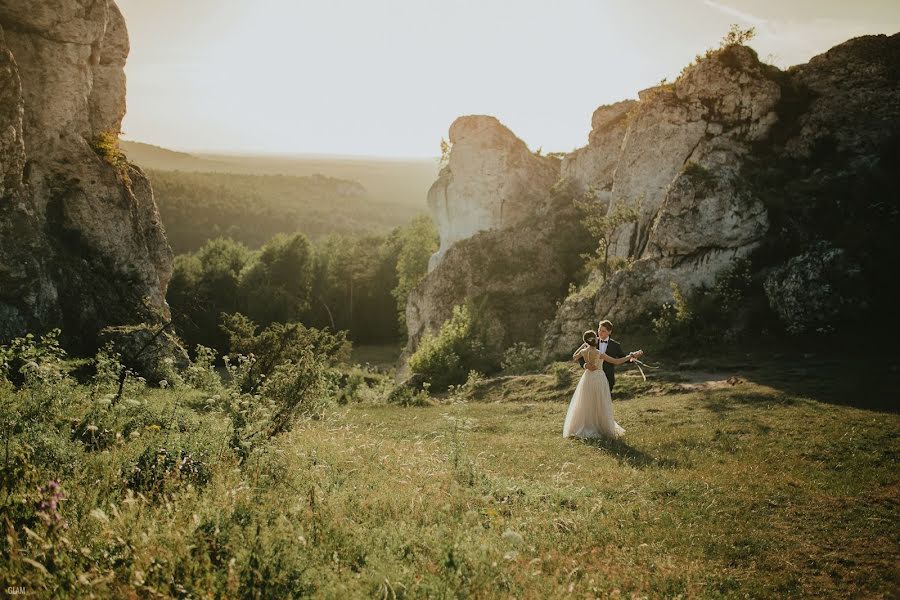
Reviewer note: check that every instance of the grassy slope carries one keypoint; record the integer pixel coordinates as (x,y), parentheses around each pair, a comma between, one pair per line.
(727,490)
(754,489)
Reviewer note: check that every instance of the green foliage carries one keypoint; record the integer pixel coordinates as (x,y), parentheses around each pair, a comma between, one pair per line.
(418,241)
(403,395)
(281,342)
(521,358)
(201,372)
(252,209)
(737,36)
(203,286)
(562,374)
(675,318)
(602,223)
(106,145)
(280,374)
(31,361)
(355,284)
(445,500)
(703,180)
(157,471)
(447,357)
(277,284)
(709,314)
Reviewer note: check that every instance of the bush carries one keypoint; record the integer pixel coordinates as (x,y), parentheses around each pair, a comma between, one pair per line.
(709,313)
(279,343)
(446,358)
(157,471)
(403,395)
(520,358)
(562,373)
(201,372)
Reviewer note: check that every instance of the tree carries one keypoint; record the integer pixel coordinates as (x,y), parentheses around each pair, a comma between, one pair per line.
(276,288)
(418,241)
(602,223)
(204,285)
(737,36)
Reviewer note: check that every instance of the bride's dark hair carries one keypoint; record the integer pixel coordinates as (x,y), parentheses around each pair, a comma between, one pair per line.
(590,338)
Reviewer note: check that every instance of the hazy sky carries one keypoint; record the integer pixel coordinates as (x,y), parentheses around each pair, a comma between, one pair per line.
(387,77)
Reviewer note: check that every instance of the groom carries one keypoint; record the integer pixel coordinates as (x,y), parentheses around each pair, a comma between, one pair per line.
(611,347)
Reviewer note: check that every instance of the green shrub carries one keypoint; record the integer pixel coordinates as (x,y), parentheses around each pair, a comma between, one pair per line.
(446,358)
(157,471)
(403,395)
(279,343)
(106,145)
(521,358)
(708,313)
(562,374)
(201,372)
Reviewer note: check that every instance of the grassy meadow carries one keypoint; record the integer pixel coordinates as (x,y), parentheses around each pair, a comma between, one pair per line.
(744,480)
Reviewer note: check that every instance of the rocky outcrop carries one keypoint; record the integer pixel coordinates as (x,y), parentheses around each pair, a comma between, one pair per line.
(492,181)
(734,159)
(511,278)
(814,289)
(710,157)
(81,243)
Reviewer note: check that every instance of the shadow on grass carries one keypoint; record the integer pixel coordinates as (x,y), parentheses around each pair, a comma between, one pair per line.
(627,454)
(864,384)
(726,401)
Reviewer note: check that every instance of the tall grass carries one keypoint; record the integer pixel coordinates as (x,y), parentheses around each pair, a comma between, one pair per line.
(747,490)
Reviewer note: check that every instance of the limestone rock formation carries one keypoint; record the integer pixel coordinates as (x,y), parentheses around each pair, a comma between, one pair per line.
(81,243)
(512,278)
(734,159)
(492,181)
(708,157)
(813,289)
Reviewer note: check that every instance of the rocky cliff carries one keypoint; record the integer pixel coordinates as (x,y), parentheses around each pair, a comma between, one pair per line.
(510,243)
(492,181)
(734,159)
(81,243)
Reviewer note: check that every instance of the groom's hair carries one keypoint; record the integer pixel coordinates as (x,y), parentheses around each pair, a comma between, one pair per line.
(606,325)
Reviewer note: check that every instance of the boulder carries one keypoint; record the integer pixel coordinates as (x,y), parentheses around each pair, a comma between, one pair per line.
(811,291)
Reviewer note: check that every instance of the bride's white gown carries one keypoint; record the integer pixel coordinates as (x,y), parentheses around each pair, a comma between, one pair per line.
(590,412)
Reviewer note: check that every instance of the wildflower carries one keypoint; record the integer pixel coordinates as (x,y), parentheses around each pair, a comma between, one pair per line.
(163,383)
(153,427)
(91,428)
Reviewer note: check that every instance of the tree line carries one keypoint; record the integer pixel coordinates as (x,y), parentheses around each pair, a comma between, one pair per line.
(342,283)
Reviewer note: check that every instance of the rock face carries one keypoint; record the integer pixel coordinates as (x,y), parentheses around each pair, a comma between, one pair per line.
(692,158)
(813,289)
(734,159)
(492,181)
(81,243)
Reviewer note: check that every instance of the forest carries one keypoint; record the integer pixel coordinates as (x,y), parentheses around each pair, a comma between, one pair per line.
(251,209)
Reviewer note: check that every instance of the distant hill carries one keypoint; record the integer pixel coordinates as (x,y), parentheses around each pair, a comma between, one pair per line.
(196,207)
(251,198)
(148,156)
(397,181)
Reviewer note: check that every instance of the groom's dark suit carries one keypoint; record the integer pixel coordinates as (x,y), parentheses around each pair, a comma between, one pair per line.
(613,349)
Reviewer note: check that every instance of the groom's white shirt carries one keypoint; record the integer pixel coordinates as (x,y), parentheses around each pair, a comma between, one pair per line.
(602,345)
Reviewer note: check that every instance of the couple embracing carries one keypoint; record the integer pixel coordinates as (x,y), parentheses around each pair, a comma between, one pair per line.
(590,412)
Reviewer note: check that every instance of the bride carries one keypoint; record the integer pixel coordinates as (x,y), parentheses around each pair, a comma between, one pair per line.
(590,410)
